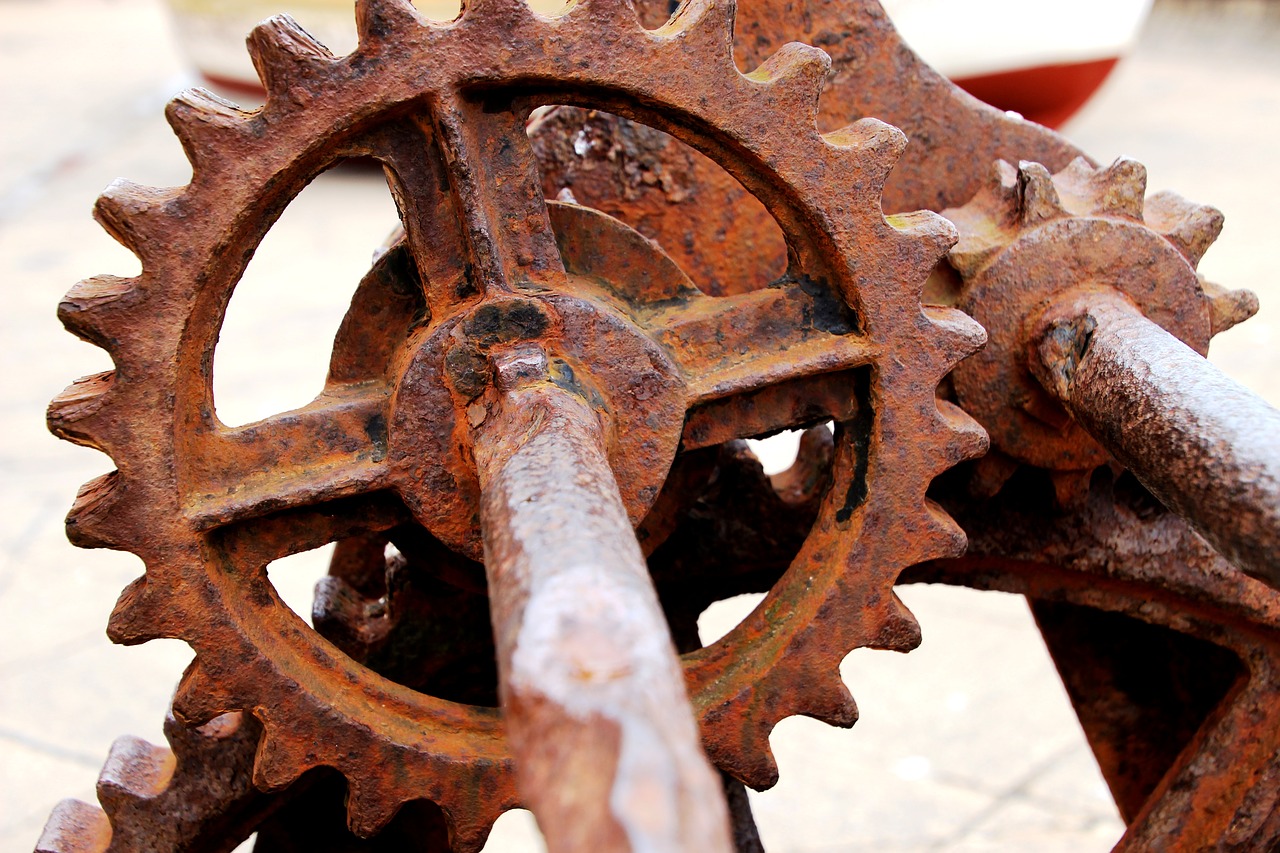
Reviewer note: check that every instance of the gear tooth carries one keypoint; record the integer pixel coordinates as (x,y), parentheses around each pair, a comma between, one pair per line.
(135,215)
(1123,189)
(202,122)
(372,802)
(134,770)
(1190,227)
(470,837)
(1078,171)
(942,535)
(1003,179)
(1115,191)
(973,252)
(90,523)
(140,614)
(984,220)
(75,827)
(284,54)
(755,765)
(1038,199)
(199,699)
(71,414)
(1000,192)
(489,10)
(340,614)
(618,14)
(990,473)
(1070,488)
(899,630)
(874,148)
(958,334)
(796,73)
(278,761)
(704,26)
(471,819)
(924,239)
(1228,308)
(187,740)
(827,700)
(966,438)
(92,309)
(377,19)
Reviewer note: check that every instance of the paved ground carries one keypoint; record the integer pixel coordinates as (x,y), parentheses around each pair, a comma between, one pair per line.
(966,744)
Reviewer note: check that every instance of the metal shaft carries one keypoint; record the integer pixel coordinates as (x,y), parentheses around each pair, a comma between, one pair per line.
(607,752)
(1207,447)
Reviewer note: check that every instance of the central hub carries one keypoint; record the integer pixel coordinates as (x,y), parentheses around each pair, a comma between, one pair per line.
(588,347)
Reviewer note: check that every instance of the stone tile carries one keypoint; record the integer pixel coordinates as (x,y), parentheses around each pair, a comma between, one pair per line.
(1074,785)
(946,733)
(33,780)
(100,691)
(979,700)
(1020,825)
(857,789)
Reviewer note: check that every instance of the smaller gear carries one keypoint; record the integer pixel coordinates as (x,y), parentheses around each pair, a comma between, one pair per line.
(194,795)
(1030,236)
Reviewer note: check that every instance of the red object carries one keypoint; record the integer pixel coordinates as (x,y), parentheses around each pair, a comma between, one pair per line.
(1045,94)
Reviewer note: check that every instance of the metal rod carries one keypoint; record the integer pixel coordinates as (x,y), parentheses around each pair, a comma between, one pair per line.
(607,751)
(1207,447)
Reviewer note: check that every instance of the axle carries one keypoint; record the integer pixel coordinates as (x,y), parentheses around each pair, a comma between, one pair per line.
(607,752)
(1207,447)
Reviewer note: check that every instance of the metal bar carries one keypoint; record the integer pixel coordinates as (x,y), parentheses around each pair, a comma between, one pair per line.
(607,751)
(1207,447)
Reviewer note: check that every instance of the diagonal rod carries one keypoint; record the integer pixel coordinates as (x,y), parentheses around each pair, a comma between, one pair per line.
(1208,448)
(607,752)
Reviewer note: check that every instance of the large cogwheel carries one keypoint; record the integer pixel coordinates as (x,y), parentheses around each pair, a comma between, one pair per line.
(443,107)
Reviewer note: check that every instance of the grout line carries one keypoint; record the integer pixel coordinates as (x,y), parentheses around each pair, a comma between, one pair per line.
(1015,791)
(51,749)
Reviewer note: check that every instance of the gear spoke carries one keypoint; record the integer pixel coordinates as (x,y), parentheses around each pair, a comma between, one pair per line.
(1217,794)
(494,178)
(333,448)
(421,189)
(716,340)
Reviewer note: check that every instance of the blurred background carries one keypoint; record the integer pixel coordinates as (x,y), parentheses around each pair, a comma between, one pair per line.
(967,743)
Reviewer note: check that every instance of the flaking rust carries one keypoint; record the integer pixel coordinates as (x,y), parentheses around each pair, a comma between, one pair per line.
(518,384)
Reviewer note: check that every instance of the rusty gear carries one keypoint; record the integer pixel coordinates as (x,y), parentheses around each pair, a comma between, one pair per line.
(1170,655)
(725,239)
(1030,236)
(1199,648)
(208,507)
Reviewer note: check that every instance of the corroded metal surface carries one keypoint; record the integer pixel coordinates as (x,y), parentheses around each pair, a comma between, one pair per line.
(703,217)
(1206,446)
(194,796)
(485,264)
(1030,236)
(1189,742)
(607,753)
